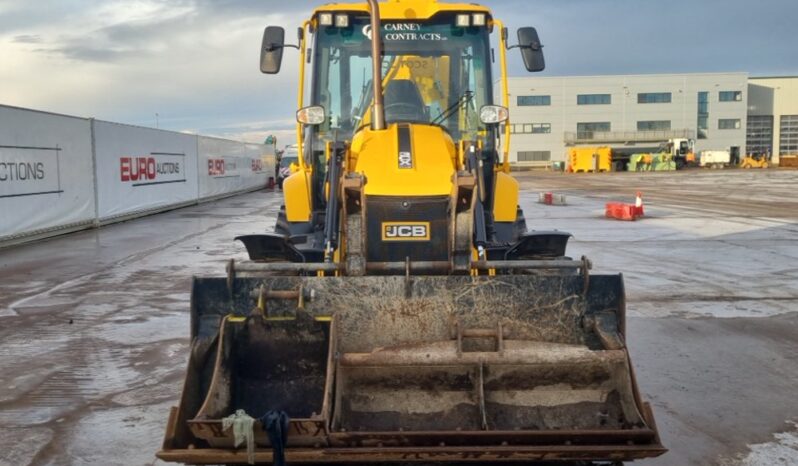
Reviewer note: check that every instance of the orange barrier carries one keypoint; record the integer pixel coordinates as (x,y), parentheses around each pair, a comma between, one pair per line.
(626,212)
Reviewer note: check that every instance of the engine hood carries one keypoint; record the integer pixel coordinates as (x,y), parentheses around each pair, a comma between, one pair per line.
(405,160)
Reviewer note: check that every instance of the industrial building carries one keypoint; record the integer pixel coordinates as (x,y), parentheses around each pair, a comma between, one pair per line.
(773,116)
(634,113)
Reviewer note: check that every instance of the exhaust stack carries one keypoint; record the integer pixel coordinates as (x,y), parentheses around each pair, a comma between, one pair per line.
(378,115)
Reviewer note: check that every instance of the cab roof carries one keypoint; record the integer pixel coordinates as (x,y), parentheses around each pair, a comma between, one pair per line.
(405,9)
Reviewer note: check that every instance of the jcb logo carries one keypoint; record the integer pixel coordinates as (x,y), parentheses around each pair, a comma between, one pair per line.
(405,231)
(405,160)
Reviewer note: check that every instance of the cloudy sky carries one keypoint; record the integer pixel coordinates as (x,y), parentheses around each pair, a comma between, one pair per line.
(194,62)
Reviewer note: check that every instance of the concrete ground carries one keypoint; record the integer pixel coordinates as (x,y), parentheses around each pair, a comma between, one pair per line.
(93,325)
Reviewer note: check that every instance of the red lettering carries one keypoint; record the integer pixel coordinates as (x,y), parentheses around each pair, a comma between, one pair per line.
(216,167)
(151,172)
(142,168)
(135,172)
(124,168)
(137,168)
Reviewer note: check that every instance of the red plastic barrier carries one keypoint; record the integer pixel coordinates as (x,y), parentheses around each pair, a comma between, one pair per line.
(627,212)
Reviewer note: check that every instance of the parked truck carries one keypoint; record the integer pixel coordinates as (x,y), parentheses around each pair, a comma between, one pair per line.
(682,152)
(715,159)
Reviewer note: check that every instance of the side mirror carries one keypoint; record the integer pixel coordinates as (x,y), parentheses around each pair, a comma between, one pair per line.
(531,49)
(271,51)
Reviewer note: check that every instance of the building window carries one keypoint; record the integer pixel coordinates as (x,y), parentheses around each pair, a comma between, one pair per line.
(586,130)
(703,103)
(531,128)
(654,98)
(597,127)
(534,100)
(703,127)
(703,115)
(594,99)
(542,128)
(657,125)
(759,135)
(729,123)
(788,144)
(534,156)
(730,96)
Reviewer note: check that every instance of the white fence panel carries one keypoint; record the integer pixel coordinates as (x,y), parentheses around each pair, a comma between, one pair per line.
(143,169)
(227,167)
(46,173)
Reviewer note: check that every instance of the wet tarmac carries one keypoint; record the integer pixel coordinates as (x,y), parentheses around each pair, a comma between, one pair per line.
(712,296)
(94,325)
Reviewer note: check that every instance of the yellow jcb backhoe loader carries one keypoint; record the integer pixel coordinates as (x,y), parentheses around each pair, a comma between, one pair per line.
(401,312)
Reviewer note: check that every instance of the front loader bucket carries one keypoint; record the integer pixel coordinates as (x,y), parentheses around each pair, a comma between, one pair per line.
(266,367)
(440,369)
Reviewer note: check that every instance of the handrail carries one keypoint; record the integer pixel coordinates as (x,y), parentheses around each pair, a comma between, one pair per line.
(505,94)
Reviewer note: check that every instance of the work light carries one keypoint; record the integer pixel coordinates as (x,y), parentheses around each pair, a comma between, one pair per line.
(314,115)
(479,19)
(342,21)
(463,21)
(493,114)
(326,19)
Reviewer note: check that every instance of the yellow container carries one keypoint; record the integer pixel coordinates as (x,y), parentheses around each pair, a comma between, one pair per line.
(590,159)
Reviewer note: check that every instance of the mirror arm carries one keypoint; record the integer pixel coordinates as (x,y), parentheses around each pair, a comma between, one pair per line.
(274,47)
(519,46)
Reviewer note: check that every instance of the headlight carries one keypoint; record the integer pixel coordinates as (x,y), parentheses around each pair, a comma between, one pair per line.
(493,114)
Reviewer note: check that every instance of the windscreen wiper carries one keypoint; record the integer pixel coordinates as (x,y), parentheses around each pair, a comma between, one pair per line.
(464,100)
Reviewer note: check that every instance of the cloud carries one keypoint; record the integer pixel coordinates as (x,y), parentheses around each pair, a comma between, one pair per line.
(89,53)
(27,39)
(194,62)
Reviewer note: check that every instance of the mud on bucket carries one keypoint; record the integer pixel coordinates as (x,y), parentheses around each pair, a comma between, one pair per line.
(265,366)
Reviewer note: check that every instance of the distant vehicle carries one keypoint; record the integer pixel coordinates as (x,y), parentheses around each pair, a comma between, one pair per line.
(715,158)
(755,161)
(289,163)
(682,151)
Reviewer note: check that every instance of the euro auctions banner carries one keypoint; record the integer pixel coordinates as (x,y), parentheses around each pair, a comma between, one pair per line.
(143,169)
(29,171)
(60,173)
(155,168)
(46,172)
(227,166)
